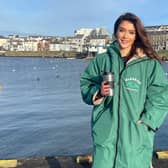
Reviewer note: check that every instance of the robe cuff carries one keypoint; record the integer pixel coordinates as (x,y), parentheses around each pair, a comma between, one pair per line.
(95,100)
(149,123)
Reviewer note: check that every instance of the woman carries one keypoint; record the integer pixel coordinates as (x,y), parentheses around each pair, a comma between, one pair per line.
(123,125)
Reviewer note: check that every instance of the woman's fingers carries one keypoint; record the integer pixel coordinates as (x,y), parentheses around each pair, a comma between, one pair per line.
(105,88)
(139,122)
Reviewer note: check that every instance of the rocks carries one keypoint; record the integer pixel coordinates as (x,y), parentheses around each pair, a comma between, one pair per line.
(61,162)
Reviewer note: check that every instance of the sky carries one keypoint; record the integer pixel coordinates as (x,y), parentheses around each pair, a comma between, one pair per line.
(63,17)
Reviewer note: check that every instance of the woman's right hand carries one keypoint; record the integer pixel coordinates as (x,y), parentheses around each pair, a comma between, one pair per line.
(105,88)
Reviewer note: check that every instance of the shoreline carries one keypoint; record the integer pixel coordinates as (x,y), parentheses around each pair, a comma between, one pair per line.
(47,54)
(55,54)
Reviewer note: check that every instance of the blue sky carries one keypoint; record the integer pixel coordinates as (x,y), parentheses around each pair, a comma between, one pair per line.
(62,17)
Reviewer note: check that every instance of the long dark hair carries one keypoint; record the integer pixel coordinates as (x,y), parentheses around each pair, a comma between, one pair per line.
(142,40)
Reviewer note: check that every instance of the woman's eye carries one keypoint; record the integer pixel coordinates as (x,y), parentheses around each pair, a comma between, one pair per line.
(121,30)
(132,33)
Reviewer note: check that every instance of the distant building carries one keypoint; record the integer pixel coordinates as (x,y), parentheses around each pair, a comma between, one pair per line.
(3,41)
(95,41)
(91,40)
(63,47)
(158,36)
(98,43)
(83,31)
(85,40)
(43,45)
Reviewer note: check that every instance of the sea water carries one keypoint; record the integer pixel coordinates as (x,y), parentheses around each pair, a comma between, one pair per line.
(41,109)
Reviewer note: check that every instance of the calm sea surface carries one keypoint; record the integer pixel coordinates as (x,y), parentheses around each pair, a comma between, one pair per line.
(41,111)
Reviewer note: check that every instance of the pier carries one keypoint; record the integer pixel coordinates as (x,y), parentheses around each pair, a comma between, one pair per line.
(64,162)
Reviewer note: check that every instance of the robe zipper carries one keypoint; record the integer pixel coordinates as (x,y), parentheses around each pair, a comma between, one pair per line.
(119,97)
(118,114)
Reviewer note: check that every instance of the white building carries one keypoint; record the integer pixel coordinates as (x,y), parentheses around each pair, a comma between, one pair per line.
(63,47)
(28,46)
(83,31)
(3,41)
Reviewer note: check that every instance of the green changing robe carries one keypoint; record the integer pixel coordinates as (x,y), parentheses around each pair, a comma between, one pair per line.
(140,93)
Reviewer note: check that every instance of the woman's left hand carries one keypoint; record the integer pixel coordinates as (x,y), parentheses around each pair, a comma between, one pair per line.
(139,122)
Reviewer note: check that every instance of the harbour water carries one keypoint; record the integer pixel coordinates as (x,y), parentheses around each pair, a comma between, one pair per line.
(41,110)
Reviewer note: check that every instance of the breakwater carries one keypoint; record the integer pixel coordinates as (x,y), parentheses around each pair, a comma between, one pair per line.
(62,162)
(52,54)
(57,54)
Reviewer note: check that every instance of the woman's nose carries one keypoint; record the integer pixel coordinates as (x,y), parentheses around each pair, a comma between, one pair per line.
(126,34)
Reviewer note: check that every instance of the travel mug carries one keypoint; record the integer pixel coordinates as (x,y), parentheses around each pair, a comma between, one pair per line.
(109,78)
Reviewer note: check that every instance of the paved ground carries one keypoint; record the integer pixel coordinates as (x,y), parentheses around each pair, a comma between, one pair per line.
(63,162)
(160,163)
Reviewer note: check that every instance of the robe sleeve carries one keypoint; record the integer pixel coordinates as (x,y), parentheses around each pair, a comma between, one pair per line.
(90,80)
(156,105)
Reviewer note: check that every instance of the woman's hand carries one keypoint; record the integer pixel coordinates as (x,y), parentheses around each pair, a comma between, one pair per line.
(139,122)
(105,88)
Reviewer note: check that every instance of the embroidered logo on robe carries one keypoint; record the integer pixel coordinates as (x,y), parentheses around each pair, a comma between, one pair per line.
(132,84)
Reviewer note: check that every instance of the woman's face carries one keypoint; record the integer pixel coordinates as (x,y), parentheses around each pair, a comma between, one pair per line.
(126,35)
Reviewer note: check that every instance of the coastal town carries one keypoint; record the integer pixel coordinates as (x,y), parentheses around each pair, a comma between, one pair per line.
(85,42)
